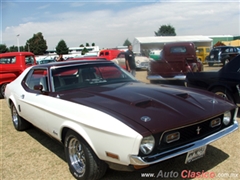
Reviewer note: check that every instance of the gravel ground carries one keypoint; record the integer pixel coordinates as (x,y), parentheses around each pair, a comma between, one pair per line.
(32,155)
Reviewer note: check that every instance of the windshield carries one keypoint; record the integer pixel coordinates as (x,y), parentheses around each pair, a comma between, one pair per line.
(82,76)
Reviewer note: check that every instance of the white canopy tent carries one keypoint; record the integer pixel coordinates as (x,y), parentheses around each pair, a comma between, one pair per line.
(142,44)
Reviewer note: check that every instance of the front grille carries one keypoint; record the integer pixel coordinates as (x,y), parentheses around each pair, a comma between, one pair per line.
(214,55)
(189,134)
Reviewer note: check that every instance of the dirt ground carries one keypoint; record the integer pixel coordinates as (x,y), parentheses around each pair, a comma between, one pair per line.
(32,155)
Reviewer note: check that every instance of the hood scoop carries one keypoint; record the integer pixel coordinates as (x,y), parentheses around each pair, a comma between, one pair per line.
(143,104)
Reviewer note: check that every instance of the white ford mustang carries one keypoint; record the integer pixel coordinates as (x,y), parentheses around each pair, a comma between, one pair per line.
(106,118)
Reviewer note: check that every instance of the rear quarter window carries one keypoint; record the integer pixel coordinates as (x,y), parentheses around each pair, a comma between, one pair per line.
(29,60)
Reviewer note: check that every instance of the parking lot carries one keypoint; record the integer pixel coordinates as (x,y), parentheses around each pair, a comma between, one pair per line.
(32,154)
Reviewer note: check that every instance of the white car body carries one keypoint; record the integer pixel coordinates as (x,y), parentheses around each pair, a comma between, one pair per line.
(85,120)
(111,119)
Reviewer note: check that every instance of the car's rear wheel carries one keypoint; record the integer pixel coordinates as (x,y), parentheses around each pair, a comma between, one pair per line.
(19,123)
(210,64)
(223,92)
(2,90)
(225,61)
(82,161)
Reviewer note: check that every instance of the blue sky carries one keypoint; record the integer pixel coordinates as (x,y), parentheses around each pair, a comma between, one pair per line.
(109,23)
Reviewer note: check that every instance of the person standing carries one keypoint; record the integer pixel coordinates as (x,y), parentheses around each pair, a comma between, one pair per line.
(60,58)
(130,61)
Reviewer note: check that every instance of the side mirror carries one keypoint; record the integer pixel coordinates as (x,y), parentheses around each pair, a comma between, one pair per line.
(38,87)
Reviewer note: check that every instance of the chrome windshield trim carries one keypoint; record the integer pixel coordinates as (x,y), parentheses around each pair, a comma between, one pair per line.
(136,160)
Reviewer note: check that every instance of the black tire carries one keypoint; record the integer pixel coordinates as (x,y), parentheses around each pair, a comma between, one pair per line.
(225,61)
(19,123)
(2,90)
(223,92)
(210,64)
(82,161)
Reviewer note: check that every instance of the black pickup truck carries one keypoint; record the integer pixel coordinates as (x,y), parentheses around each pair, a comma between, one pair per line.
(225,82)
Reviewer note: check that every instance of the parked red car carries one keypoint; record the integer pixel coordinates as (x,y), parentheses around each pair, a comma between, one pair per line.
(109,54)
(175,61)
(12,64)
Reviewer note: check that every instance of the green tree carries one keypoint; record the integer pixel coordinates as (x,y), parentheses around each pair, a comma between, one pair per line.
(36,44)
(126,43)
(87,45)
(93,44)
(165,30)
(81,45)
(13,48)
(61,48)
(3,48)
(84,51)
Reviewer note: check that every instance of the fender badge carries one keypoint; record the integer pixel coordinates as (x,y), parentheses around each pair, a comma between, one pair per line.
(145,118)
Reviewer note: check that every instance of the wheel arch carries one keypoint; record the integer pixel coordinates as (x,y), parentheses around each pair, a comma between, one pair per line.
(223,86)
(80,131)
(219,85)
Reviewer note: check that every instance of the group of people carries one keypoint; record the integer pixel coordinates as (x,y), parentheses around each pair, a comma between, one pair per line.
(129,57)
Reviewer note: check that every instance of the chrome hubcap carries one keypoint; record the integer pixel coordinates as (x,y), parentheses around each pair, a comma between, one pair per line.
(77,156)
(15,116)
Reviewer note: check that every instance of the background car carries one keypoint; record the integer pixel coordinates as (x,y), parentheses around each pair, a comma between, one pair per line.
(225,82)
(221,55)
(175,60)
(44,61)
(142,62)
(12,64)
(105,118)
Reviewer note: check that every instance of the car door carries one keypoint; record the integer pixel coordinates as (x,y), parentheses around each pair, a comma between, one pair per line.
(34,106)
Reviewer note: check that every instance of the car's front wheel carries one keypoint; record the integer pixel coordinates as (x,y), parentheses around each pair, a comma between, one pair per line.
(223,92)
(19,123)
(82,161)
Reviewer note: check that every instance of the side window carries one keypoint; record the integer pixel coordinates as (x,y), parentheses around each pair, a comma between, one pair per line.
(37,77)
(8,60)
(29,60)
(107,53)
(226,50)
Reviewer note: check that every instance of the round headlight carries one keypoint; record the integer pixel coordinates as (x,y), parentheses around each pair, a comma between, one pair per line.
(147,144)
(226,117)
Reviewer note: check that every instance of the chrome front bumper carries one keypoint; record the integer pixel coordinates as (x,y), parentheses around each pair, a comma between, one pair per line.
(158,77)
(213,61)
(136,160)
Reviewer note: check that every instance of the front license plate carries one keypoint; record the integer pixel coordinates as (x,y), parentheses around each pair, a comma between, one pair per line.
(195,154)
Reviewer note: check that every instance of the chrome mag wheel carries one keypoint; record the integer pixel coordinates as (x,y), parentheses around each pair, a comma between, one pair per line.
(77,156)
(15,117)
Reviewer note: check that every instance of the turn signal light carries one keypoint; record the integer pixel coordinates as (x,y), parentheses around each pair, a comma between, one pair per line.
(215,122)
(172,137)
